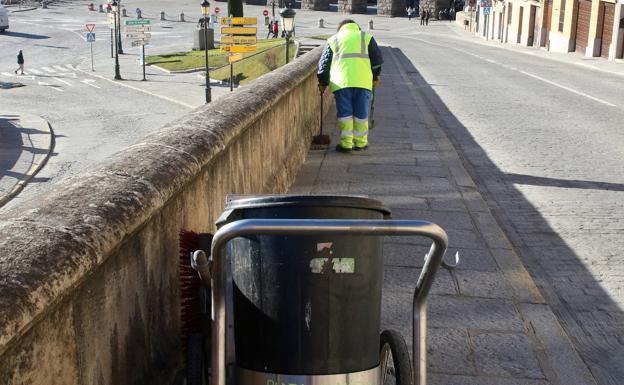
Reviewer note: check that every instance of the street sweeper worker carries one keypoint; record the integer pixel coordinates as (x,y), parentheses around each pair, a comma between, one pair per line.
(351,65)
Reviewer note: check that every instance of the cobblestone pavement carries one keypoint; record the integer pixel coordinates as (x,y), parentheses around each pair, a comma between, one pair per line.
(488,323)
(542,141)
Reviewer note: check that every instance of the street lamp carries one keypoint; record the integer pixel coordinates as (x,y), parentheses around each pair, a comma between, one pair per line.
(205,6)
(119,47)
(115,7)
(288,25)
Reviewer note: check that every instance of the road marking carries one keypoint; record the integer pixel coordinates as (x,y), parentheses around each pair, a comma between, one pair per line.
(89,81)
(116,82)
(70,67)
(48,69)
(7,74)
(63,81)
(51,86)
(35,71)
(61,68)
(569,89)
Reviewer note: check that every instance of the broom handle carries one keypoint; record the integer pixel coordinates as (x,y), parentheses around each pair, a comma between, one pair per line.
(321,120)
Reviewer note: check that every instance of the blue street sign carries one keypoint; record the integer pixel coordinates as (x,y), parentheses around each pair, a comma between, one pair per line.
(90,37)
(487,10)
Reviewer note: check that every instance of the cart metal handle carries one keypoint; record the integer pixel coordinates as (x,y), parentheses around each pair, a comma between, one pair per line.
(285,227)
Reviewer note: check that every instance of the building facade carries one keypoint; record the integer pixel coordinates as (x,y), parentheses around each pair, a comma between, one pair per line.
(594,28)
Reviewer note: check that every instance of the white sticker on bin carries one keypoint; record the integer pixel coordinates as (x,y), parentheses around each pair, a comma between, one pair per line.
(338,265)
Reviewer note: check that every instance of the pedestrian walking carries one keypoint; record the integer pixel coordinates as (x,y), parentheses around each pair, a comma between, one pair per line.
(270,33)
(138,13)
(422,17)
(410,11)
(20,62)
(275,29)
(427,16)
(351,65)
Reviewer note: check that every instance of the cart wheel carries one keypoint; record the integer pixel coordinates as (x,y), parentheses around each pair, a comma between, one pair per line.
(396,368)
(195,360)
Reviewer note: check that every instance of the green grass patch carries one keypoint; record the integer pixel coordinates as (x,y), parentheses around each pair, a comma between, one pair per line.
(249,69)
(319,37)
(181,61)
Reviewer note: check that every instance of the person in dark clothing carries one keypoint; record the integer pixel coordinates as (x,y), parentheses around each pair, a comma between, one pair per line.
(20,63)
(422,17)
(351,65)
(427,16)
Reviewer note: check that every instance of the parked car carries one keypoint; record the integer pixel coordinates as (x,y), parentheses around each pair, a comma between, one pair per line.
(4,19)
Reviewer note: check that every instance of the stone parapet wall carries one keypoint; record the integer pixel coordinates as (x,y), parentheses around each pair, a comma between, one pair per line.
(89,292)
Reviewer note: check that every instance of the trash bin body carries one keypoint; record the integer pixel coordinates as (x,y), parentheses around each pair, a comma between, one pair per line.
(306,304)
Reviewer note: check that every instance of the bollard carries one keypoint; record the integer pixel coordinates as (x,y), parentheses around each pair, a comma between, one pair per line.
(320,23)
(44,4)
(162,15)
(370,24)
(101,8)
(123,13)
(182,16)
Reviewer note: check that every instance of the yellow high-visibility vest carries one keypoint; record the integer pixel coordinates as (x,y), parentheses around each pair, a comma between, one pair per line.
(350,66)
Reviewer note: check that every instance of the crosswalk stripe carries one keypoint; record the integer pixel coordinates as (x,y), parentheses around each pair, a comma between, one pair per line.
(89,81)
(61,68)
(63,81)
(35,71)
(48,69)
(51,86)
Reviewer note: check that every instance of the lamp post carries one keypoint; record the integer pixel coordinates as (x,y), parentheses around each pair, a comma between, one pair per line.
(115,9)
(119,47)
(288,26)
(205,6)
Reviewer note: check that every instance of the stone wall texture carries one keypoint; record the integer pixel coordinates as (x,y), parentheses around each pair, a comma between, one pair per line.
(88,272)
(391,8)
(352,6)
(315,5)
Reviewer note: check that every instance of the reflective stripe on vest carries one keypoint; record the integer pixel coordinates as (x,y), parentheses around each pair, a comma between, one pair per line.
(363,54)
(350,66)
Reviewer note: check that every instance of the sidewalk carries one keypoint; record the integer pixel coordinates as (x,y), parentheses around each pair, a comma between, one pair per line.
(488,323)
(26,143)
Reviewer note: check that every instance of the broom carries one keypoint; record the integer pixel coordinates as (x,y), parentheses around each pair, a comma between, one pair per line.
(320,142)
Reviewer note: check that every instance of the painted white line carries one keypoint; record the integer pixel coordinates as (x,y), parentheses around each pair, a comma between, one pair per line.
(50,85)
(35,71)
(525,73)
(569,89)
(63,81)
(48,69)
(60,68)
(70,67)
(8,74)
(171,100)
(89,81)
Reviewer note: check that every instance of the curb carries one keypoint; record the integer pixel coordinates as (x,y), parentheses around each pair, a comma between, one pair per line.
(33,170)
(24,10)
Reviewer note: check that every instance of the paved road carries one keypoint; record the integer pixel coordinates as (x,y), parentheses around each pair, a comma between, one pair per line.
(544,141)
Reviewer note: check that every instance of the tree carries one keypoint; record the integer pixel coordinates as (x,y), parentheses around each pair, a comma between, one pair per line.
(235,8)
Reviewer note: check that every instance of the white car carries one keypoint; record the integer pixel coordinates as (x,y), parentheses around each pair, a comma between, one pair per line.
(4,19)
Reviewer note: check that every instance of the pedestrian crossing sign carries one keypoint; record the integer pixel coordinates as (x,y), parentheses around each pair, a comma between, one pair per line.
(90,37)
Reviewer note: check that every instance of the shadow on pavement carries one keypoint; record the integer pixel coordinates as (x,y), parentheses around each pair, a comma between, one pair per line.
(587,312)
(25,35)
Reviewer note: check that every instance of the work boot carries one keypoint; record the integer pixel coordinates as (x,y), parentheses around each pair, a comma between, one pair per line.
(355,148)
(339,148)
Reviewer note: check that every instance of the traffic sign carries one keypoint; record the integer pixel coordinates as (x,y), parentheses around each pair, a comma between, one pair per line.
(137,43)
(138,35)
(239,20)
(111,19)
(234,57)
(90,37)
(217,10)
(90,27)
(138,28)
(137,22)
(238,48)
(265,12)
(238,30)
(487,10)
(238,40)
